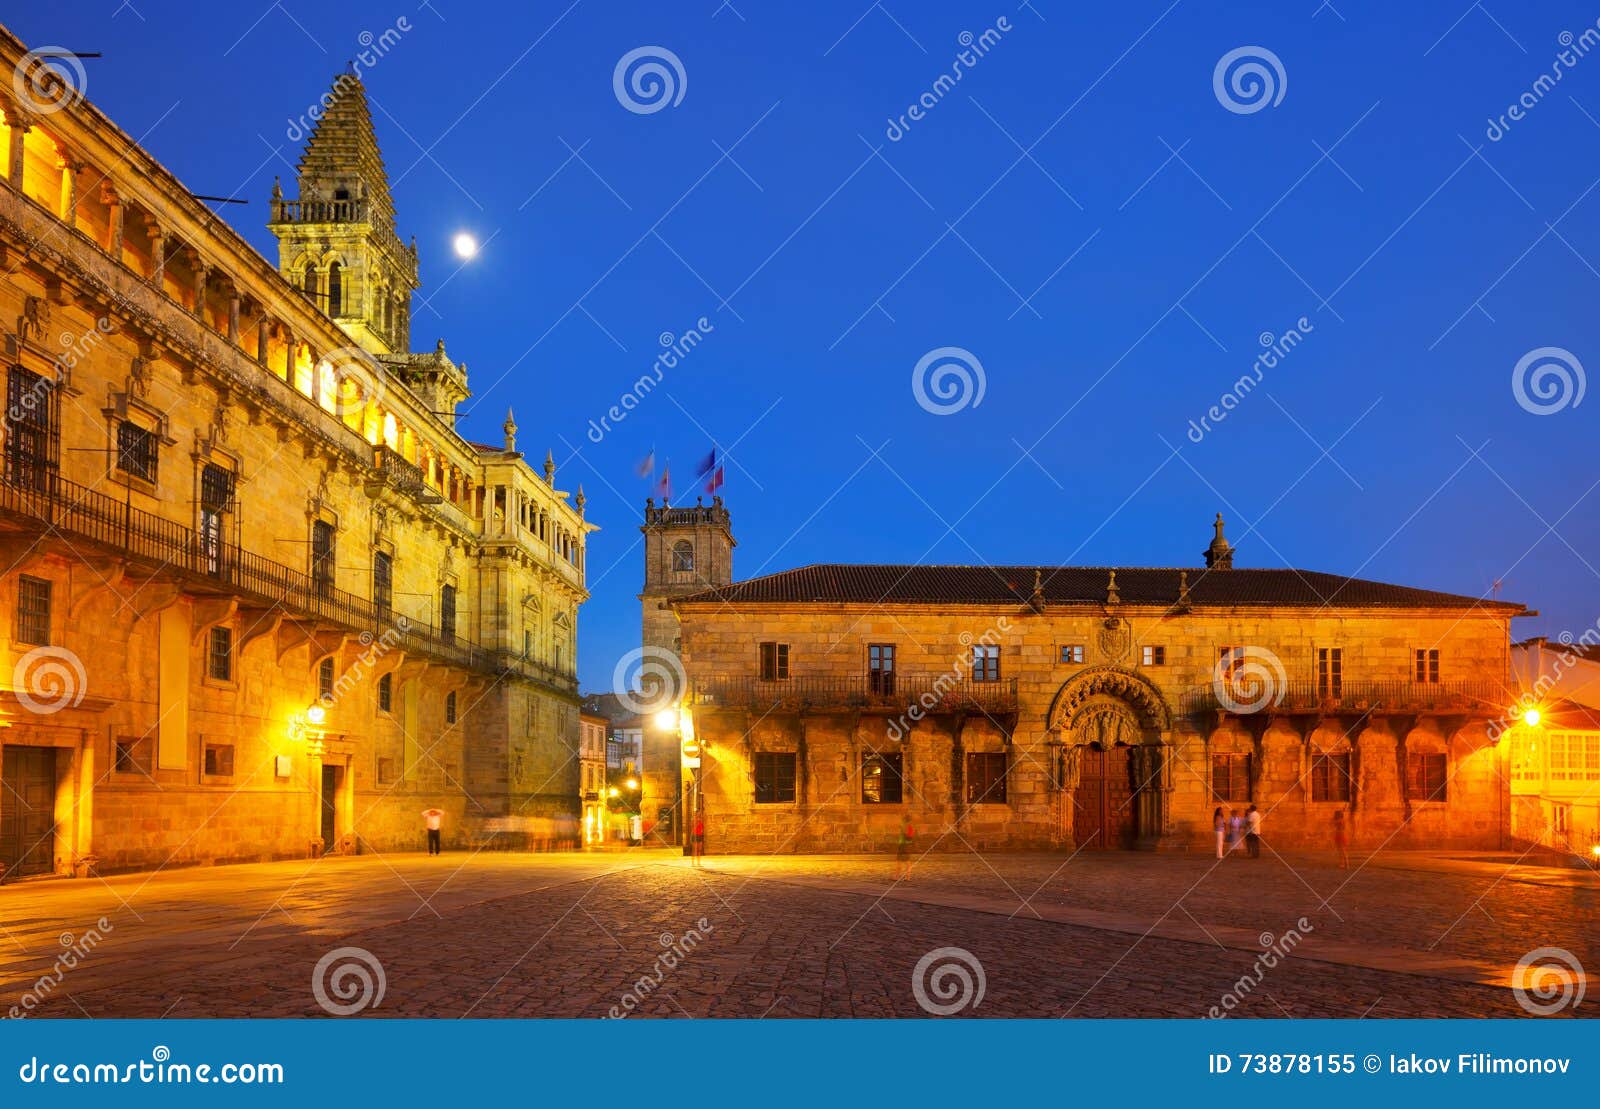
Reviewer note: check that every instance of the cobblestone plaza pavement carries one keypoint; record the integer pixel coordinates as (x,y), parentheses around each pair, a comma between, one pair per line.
(565,935)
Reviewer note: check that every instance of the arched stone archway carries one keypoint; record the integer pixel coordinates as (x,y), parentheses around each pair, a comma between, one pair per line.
(1114,727)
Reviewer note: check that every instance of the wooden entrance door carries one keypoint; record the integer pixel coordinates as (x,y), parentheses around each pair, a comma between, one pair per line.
(28,810)
(1102,805)
(330,807)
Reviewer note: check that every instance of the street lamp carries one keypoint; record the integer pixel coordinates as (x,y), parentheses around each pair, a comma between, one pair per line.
(1532,717)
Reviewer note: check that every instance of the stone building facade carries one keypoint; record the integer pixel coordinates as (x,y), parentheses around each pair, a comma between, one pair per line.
(261,597)
(1059,707)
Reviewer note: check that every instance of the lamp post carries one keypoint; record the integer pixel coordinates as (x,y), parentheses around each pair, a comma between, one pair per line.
(679,724)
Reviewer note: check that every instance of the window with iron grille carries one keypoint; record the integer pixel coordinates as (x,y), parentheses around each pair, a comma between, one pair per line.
(136,450)
(1072,654)
(33,610)
(447,613)
(1330,778)
(325,680)
(31,434)
(774,662)
(133,755)
(386,693)
(450,707)
(219,760)
(1427,777)
(1427,664)
(774,777)
(1330,672)
(220,656)
(880,668)
(986,778)
(1153,655)
(322,556)
(383,581)
(1230,777)
(985,662)
(880,779)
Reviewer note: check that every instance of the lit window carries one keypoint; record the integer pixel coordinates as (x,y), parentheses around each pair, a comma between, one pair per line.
(1427,665)
(325,679)
(1072,654)
(880,779)
(1153,655)
(220,657)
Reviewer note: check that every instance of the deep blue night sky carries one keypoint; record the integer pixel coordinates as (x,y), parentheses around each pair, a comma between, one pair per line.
(1426,258)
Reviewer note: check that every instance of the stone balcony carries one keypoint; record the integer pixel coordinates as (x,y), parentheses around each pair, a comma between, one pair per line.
(928,694)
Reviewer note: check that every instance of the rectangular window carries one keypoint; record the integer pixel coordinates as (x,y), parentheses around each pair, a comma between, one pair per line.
(986,778)
(383,582)
(1330,778)
(325,679)
(1072,654)
(386,693)
(385,771)
(33,610)
(1427,664)
(1230,660)
(219,658)
(880,779)
(774,777)
(1330,672)
(216,499)
(1426,777)
(985,662)
(450,707)
(774,662)
(322,564)
(133,755)
(880,668)
(1153,655)
(136,450)
(219,760)
(1230,777)
(447,614)
(31,436)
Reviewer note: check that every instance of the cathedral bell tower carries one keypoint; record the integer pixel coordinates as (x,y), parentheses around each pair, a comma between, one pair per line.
(337,240)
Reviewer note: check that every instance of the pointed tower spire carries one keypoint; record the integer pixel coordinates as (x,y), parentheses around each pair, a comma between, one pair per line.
(1219,555)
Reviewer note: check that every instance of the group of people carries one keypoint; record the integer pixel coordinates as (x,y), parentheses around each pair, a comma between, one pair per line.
(1236,829)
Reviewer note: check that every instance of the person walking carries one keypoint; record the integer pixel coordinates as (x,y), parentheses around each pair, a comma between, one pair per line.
(697,841)
(1341,839)
(902,854)
(1219,824)
(1252,830)
(1235,830)
(433,819)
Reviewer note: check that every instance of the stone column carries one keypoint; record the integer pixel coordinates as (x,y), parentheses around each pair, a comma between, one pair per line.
(20,126)
(263,334)
(158,257)
(69,167)
(113,203)
(200,270)
(233,315)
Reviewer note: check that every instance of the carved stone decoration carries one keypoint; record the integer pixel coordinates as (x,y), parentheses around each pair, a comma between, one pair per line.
(219,422)
(139,372)
(34,320)
(1106,724)
(1136,691)
(1115,638)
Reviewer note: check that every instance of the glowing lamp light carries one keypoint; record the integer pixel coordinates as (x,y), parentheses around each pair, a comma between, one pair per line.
(316,715)
(1595,850)
(1531,718)
(667,719)
(613,792)
(465,245)
(632,783)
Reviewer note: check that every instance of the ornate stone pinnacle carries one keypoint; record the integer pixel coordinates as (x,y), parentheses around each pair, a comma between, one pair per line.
(1111,590)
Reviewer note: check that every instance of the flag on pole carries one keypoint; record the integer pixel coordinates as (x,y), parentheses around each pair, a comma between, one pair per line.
(714,482)
(664,484)
(707,464)
(647,465)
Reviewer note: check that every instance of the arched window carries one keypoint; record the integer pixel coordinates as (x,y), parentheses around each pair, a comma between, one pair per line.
(682,555)
(308,281)
(335,289)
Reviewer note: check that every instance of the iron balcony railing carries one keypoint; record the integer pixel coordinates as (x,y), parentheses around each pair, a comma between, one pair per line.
(927,693)
(70,508)
(1245,698)
(405,475)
